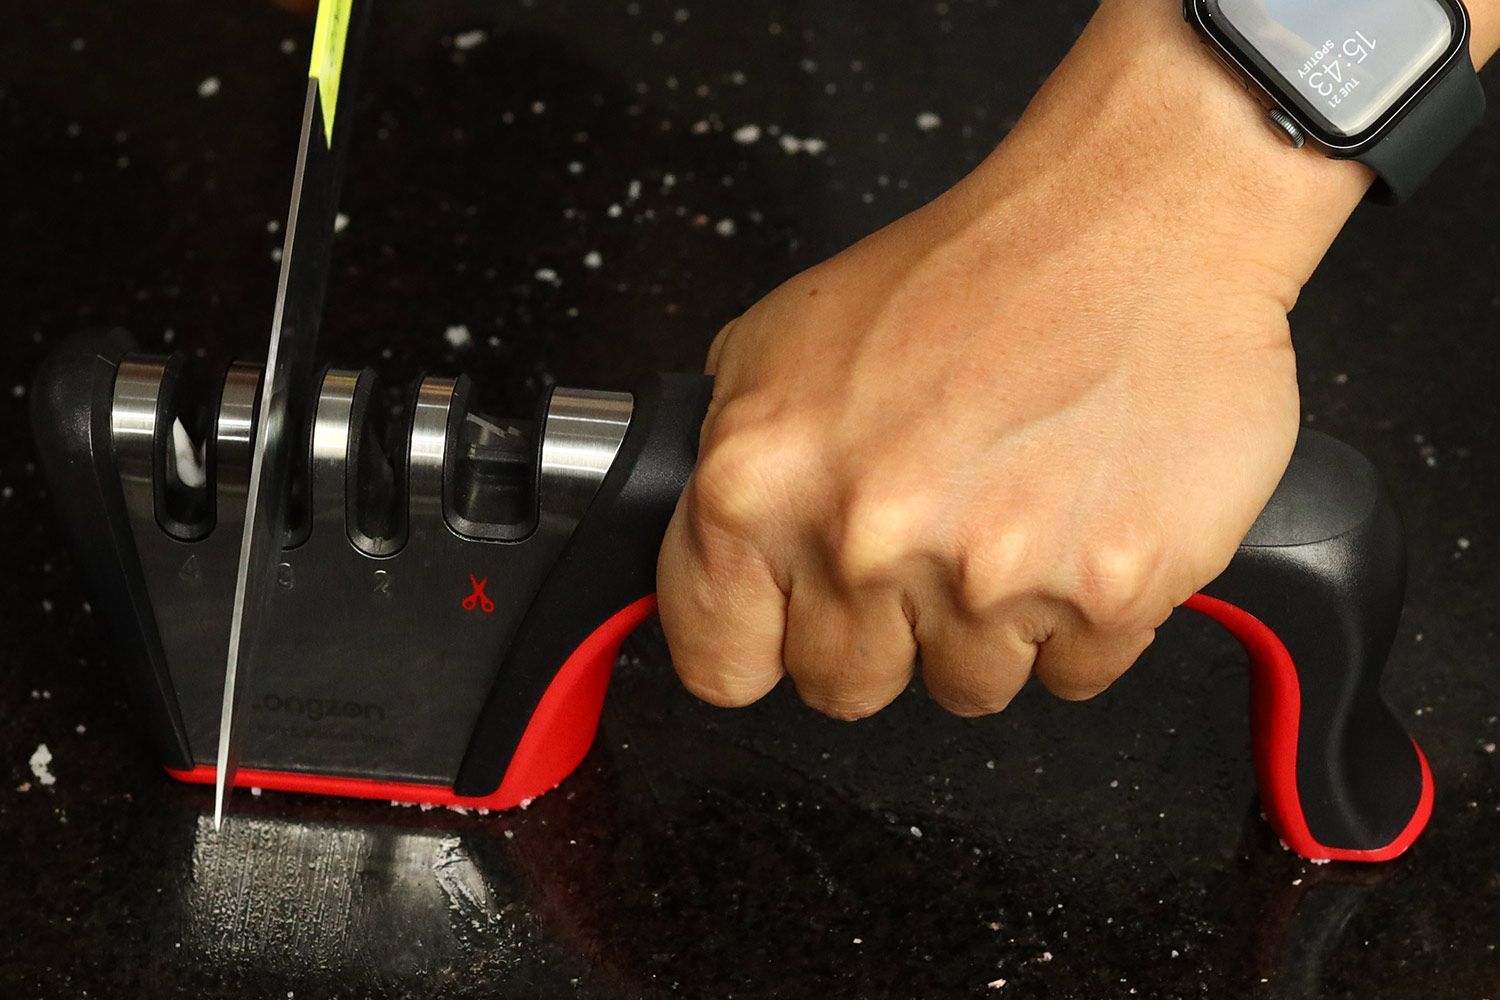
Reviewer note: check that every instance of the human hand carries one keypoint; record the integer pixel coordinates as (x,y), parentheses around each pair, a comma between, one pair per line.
(1013,430)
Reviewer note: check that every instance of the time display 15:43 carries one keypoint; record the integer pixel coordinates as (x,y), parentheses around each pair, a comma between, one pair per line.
(1327,71)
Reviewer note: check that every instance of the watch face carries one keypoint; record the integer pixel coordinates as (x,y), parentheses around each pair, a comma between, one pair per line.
(1344,63)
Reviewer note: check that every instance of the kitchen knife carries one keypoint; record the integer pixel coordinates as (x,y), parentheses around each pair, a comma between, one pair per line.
(287,387)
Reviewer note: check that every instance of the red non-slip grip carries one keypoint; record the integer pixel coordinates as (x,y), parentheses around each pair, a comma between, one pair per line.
(1275,719)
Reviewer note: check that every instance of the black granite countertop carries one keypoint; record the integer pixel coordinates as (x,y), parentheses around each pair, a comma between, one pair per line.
(586,192)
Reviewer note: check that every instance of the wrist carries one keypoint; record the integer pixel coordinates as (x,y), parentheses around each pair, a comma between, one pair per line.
(1140,128)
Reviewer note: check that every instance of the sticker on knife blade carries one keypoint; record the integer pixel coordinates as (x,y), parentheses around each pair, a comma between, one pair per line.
(328,57)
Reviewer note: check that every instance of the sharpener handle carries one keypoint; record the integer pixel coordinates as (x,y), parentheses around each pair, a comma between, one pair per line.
(1314,594)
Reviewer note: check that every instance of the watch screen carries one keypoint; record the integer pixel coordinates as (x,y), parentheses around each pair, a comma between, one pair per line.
(1349,61)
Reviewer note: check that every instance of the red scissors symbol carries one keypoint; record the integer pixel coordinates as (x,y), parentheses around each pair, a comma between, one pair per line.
(479,599)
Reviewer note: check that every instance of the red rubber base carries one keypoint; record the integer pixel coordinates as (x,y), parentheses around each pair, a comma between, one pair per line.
(562,729)
(1275,717)
(556,739)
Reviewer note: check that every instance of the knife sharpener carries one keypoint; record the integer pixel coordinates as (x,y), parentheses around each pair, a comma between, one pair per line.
(449,608)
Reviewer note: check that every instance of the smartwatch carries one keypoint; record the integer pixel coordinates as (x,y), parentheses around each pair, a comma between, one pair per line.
(1388,83)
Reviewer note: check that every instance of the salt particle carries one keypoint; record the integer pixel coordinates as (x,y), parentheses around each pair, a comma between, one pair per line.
(1463,543)
(724,227)
(575,168)
(614,211)
(916,831)
(273,226)
(634,191)
(510,835)
(1489,748)
(526,803)
(18,390)
(466,40)
(340,222)
(80,729)
(40,760)
(24,787)
(255,792)
(1046,956)
(77,44)
(859,940)
(995,984)
(548,276)
(457,336)
(928,120)
(208,87)
(538,107)
(746,135)
(593,260)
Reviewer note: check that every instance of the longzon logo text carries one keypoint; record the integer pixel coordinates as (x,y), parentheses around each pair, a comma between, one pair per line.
(318,709)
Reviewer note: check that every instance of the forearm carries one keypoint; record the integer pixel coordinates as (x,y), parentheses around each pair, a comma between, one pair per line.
(1141,131)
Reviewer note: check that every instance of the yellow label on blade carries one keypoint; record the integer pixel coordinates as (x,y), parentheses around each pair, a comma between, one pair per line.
(328,57)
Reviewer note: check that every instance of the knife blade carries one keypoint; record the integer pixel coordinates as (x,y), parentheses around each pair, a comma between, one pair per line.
(287,385)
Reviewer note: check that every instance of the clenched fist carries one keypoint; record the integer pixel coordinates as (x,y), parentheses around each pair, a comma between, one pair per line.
(1009,433)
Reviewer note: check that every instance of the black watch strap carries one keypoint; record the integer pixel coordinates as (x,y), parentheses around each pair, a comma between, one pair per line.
(1421,140)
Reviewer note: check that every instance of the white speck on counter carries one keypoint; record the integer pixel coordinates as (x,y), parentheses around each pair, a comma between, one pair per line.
(916,831)
(208,87)
(1463,544)
(40,762)
(276,255)
(995,984)
(273,226)
(18,390)
(255,792)
(614,211)
(575,168)
(791,145)
(746,135)
(288,46)
(859,940)
(510,835)
(526,803)
(724,227)
(1488,748)
(548,277)
(928,120)
(593,260)
(458,336)
(466,40)
(538,107)
(80,729)
(340,222)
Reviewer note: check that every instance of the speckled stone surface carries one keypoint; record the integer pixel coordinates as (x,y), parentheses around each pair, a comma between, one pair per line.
(589,191)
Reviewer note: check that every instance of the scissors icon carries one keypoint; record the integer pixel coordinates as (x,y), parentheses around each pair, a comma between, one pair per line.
(479,599)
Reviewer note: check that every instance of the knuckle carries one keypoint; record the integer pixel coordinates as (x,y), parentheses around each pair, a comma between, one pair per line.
(974,692)
(1081,678)
(990,567)
(1114,581)
(844,708)
(725,690)
(871,542)
(734,483)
